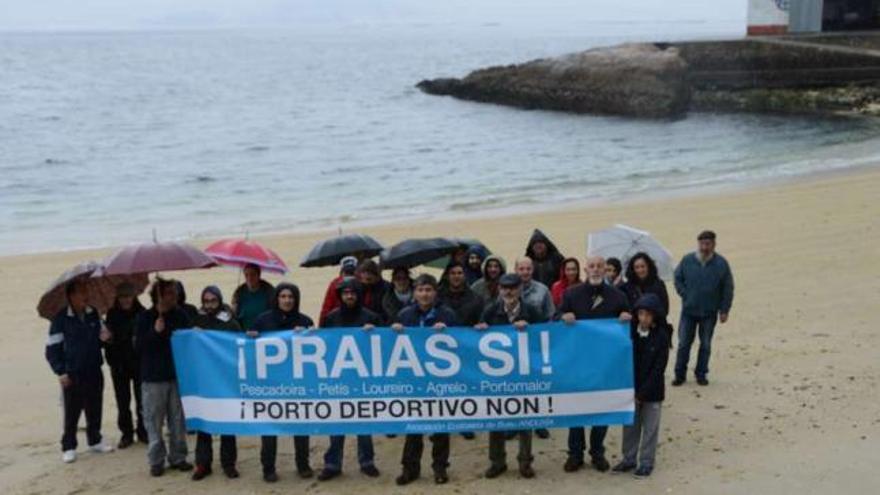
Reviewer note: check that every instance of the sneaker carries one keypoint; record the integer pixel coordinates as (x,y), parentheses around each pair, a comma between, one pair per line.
(406,477)
(157,470)
(182,466)
(495,471)
(231,472)
(124,443)
(68,456)
(572,465)
(624,467)
(468,435)
(702,380)
(370,471)
(328,474)
(600,463)
(101,448)
(200,473)
(643,471)
(441,477)
(270,477)
(305,472)
(542,433)
(526,471)
(678,382)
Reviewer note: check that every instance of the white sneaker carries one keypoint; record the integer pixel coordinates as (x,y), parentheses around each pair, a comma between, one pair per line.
(68,456)
(101,448)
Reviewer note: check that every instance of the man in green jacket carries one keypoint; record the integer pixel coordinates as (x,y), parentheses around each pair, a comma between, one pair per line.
(705,283)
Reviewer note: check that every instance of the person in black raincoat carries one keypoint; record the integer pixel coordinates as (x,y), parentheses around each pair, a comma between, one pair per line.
(190,310)
(473,266)
(400,293)
(284,315)
(350,314)
(124,365)
(215,315)
(546,258)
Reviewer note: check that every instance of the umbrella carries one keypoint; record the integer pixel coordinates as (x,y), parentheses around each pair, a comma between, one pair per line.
(101,288)
(330,251)
(623,242)
(413,252)
(156,257)
(240,252)
(463,243)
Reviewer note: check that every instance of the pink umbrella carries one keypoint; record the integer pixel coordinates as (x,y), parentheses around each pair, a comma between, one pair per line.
(240,252)
(156,257)
(101,288)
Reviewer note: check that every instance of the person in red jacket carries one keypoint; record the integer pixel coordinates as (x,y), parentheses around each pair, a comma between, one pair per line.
(569,275)
(347,267)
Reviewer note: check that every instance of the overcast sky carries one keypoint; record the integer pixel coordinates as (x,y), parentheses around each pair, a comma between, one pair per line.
(141,14)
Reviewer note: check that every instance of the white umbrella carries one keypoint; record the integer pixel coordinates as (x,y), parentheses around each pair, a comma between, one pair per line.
(623,242)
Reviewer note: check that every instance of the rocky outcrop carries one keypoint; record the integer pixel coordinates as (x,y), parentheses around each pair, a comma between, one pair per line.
(639,80)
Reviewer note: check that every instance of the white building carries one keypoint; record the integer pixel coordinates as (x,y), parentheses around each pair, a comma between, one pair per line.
(768,17)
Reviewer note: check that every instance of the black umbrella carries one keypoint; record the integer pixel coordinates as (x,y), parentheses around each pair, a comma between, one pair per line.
(101,288)
(413,252)
(463,243)
(330,251)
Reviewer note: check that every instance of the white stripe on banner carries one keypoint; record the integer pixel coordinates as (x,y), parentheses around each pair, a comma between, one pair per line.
(411,409)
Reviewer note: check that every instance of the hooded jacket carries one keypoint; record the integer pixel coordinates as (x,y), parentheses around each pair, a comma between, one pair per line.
(222,319)
(74,344)
(651,352)
(120,352)
(466,304)
(187,308)
(589,302)
(471,275)
(546,268)
(558,288)
(276,319)
(357,316)
(485,289)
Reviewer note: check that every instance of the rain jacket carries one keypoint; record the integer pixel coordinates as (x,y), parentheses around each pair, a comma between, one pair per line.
(358,316)
(154,349)
(275,319)
(485,289)
(650,353)
(705,289)
(74,344)
(120,352)
(471,275)
(546,268)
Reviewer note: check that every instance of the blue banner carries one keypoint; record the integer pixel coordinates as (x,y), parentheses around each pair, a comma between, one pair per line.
(352,381)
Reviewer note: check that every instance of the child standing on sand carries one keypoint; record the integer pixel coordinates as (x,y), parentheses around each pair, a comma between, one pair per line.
(650,338)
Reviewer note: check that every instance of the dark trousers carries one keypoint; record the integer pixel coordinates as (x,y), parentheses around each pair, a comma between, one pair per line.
(269,450)
(498,448)
(577,442)
(124,379)
(85,394)
(688,328)
(333,456)
(414,446)
(205,450)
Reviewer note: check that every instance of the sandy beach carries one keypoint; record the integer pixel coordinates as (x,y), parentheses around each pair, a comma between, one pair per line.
(793,405)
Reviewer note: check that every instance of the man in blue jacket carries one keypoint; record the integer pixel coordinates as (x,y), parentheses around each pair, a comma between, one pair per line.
(705,283)
(74,353)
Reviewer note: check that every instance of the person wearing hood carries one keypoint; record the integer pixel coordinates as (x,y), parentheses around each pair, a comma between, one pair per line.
(533,292)
(161,396)
(569,276)
(510,309)
(215,315)
(649,334)
(283,315)
(487,286)
(73,351)
(473,266)
(123,361)
(642,279)
(347,268)
(373,287)
(253,297)
(546,257)
(350,314)
(190,310)
(593,299)
(426,314)
(614,272)
(400,293)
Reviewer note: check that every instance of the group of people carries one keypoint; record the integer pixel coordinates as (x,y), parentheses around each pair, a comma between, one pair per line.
(475,290)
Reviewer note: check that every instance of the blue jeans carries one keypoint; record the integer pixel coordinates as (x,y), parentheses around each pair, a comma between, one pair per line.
(333,457)
(577,442)
(688,328)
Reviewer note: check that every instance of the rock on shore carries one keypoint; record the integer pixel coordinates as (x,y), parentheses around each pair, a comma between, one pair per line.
(639,80)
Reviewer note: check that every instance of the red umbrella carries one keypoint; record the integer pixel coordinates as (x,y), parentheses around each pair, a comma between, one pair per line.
(101,288)
(156,257)
(239,252)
